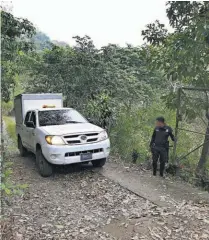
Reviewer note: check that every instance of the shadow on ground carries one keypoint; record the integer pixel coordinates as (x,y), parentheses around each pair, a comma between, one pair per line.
(30,162)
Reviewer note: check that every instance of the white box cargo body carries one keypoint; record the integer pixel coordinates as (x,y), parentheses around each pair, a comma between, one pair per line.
(25,102)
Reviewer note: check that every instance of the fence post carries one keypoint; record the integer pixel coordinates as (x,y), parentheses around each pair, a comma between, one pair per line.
(177,125)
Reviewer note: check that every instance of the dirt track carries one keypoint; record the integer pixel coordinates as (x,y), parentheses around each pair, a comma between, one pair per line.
(85,203)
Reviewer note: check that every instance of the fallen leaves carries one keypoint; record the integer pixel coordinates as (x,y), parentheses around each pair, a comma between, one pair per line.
(80,205)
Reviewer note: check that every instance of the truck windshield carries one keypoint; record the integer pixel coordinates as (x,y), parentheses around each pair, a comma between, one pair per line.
(60,117)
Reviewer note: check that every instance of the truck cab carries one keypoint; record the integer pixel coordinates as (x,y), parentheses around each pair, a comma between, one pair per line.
(57,135)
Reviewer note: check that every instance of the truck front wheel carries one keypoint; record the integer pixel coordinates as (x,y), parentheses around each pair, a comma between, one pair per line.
(99,162)
(44,167)
(22,149)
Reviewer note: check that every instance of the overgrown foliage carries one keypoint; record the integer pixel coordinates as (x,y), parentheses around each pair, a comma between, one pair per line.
(7,187)
(83,72)
(183,56)
(15,35)
(15,40)
(10,128)
(120,88)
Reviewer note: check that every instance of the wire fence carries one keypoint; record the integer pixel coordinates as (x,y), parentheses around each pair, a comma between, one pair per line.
(192,132)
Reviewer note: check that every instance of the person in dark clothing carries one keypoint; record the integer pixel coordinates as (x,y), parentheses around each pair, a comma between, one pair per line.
(159,144)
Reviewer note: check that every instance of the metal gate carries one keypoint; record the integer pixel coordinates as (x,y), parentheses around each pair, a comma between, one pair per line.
(192,121)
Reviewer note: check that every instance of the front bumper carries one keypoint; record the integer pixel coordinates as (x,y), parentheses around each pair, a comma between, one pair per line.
(58,154)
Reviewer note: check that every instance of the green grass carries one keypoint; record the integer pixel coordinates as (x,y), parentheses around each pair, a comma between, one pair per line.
(10,127)
(6,107)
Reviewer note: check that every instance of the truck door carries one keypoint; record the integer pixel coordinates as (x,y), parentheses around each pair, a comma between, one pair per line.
(24,135)
(31,132)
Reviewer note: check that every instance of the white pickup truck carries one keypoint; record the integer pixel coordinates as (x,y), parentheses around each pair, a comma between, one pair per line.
(57,135)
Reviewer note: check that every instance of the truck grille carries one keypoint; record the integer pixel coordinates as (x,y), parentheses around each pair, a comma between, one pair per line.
(72,154)
(81,138)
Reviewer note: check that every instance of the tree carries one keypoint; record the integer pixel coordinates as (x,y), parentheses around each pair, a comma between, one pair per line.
(84,73)
(183,55)
(41,41)
(15,35)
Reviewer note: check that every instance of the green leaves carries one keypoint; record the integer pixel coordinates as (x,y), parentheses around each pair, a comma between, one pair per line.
(182,14)
(84,73)
(9,189)
(155,33)
(15,35)
(183,55)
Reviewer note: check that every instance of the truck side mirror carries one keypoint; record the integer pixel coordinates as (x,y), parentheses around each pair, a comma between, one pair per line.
(90,120)
(30,124)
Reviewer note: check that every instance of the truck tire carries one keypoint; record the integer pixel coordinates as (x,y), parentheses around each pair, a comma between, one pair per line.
(99,162)
(44,167)
(22,149)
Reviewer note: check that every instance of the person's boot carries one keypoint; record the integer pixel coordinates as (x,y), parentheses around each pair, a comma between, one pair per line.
(162,167)
(154,171)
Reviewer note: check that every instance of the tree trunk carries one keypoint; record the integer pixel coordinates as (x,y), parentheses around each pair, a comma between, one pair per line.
(205,152)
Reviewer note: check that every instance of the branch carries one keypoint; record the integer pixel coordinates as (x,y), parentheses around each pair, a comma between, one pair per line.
(194,110)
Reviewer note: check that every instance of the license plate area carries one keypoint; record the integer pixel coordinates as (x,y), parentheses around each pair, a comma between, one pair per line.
(85,156)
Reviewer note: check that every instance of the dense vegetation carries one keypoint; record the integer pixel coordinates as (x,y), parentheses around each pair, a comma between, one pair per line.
(121,88)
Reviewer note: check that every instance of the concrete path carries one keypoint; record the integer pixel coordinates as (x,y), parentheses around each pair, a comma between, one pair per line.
(162,192)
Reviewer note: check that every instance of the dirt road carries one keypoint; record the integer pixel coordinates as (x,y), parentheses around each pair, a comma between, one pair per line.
(85,203)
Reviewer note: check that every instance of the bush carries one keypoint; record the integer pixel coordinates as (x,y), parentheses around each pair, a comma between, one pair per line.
(10,127)
(7,186)
(7,107)
(134,127)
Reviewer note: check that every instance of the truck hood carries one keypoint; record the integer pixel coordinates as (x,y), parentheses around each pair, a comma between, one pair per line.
(71,128)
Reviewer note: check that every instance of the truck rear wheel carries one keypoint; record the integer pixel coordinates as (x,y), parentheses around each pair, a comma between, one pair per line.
(44,167)
(99,162)
(22,149)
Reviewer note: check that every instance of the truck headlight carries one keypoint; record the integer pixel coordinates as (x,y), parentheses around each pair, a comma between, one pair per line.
(102,136)
(54,140)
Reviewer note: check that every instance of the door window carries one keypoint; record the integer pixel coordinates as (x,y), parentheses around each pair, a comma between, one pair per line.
(27,117)
(33,118)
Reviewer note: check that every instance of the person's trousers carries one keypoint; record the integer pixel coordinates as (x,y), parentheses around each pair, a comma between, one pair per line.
(159,153)
(167,149)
